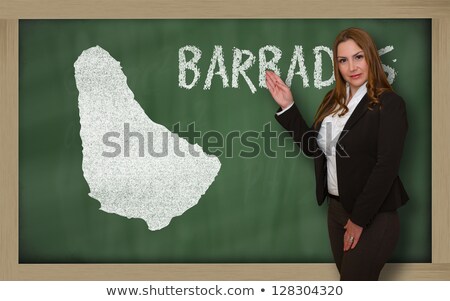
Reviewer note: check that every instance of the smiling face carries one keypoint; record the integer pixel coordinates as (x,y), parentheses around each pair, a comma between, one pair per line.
(352,64)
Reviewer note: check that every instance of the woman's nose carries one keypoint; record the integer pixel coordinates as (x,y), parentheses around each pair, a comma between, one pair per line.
(351,66)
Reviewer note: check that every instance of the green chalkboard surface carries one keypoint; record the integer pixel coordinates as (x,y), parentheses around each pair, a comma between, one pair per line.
(261,206)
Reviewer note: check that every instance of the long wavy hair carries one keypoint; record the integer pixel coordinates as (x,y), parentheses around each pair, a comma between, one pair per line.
(334,100)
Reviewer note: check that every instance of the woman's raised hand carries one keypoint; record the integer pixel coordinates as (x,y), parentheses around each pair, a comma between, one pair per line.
(280,92)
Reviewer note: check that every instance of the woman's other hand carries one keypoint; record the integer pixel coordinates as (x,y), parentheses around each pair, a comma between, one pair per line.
(352,235)
(280,92)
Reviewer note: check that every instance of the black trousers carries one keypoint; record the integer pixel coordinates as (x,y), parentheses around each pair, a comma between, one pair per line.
(374,248)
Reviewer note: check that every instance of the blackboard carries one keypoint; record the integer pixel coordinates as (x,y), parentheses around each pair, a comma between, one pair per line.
(258,209)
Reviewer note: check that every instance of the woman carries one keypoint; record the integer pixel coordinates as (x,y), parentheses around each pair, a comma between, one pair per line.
(356,141)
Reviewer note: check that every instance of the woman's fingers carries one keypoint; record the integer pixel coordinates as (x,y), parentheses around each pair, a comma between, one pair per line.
(355,241)
(276,79)
(347,241)
(269,81)
(352,235)
(273,87)
(280,92)
(272,80)
(350,240)
(273,75)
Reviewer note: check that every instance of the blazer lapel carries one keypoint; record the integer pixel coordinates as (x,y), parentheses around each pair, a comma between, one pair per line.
(359,111)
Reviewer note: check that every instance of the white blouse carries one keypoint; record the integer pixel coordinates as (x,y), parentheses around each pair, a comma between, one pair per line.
(329,133)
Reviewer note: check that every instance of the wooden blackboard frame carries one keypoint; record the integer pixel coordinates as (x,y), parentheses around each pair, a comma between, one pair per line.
(10,14)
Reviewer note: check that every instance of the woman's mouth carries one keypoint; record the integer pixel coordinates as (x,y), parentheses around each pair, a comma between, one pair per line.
(355,76)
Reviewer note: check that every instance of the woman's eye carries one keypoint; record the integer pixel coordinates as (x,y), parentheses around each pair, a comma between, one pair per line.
(359,57)
(341,61)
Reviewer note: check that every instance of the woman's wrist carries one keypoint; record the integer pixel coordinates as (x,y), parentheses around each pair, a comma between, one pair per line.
(287,106)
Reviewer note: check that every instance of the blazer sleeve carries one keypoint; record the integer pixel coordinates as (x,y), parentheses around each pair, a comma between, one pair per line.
(393,126)
(303,135)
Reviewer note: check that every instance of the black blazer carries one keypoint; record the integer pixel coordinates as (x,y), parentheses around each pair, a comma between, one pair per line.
(368,155)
